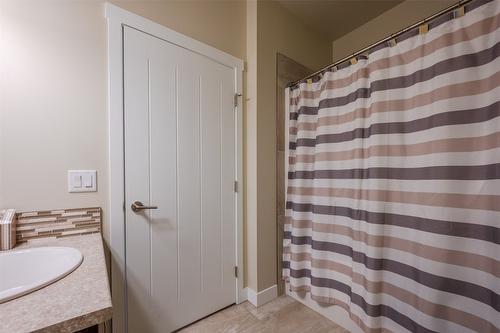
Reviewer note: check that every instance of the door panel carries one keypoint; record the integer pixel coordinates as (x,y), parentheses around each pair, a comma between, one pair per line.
(180,156)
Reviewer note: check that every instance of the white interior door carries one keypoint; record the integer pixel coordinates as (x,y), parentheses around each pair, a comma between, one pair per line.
(179,126)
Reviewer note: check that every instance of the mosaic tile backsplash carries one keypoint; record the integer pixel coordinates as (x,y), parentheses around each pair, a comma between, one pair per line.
(57,223)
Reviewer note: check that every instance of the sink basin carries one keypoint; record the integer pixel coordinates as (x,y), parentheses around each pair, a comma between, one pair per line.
(26,270)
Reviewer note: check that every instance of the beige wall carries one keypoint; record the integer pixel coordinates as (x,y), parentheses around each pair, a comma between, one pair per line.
(393,20)
(53,89)
(220,24)
(277,31)
(250,134)
(53,102)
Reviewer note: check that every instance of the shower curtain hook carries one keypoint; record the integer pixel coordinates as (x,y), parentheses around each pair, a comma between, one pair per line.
(460,11)
(423,28)
(392,41)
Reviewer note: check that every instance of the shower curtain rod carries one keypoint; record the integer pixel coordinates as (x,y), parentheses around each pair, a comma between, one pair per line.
(388,38)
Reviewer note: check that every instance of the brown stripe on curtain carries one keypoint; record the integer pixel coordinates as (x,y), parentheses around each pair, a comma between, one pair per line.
(453,145)
(457,200)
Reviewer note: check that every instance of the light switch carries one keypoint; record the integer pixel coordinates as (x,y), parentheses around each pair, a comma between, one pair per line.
(87,180)
(82,181)
(77,180)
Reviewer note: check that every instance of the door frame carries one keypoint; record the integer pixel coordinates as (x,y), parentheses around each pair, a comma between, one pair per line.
(117,18)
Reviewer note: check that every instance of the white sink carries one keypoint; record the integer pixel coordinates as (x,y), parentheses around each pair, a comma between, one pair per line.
(26,270)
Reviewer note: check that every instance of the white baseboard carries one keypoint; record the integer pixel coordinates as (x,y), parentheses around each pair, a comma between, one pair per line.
(262,297)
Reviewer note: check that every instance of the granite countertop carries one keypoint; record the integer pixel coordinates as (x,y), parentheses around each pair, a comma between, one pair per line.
(77,301)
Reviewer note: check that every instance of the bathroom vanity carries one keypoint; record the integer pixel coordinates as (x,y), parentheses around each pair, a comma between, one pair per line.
(77,301)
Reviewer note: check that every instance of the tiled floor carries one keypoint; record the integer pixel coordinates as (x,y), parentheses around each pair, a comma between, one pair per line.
(281,315)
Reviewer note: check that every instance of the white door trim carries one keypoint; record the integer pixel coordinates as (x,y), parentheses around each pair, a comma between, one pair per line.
(117,18)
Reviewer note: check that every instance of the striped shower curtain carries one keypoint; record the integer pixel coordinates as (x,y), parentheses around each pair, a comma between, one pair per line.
(393,187)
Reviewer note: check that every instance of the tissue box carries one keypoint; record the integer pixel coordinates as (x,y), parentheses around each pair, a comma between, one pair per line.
(7,229)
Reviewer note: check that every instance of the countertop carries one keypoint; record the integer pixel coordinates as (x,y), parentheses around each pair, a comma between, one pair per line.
(77,301)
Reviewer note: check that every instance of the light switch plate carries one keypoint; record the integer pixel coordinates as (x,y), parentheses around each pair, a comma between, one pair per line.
(82,181)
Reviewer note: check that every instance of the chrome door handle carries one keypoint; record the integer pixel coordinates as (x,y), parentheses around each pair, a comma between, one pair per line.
(138,206)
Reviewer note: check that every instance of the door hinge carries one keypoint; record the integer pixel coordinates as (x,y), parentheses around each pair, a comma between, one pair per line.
(236,186)
(235,102)
(235,271)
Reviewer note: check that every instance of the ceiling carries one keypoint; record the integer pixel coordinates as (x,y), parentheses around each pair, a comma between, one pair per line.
(335,18)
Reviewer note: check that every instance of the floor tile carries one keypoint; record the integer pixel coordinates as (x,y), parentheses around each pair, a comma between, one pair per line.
(282,315)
